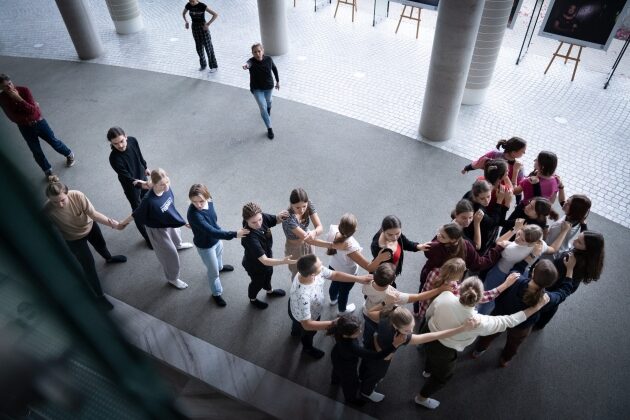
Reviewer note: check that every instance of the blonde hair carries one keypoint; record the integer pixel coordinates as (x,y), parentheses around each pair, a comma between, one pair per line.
(470,291)
(532,233)
(157,175)
(55,187)
(452,269)
(399,316)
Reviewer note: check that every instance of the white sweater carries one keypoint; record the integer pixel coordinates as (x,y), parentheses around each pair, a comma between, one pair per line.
(445,312)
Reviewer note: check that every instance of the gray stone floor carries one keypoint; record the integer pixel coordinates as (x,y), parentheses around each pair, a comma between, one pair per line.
(371,74)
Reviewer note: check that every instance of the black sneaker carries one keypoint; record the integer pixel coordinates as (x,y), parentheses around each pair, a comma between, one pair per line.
(49,175)
(226,268)
(313,352)
(116,259)
(70,160)
(276,293)
(270,133)
(202,68)
(219,300)
(260,305)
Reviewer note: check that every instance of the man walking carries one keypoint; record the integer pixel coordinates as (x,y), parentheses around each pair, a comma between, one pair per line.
(20,107)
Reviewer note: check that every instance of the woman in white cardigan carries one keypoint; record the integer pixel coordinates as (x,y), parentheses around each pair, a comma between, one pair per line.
(448,311)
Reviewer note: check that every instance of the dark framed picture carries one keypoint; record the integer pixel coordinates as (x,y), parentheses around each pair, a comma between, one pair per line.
(516,6)
(589,23)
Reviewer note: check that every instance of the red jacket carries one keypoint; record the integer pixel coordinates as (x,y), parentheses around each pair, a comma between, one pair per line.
(21,113)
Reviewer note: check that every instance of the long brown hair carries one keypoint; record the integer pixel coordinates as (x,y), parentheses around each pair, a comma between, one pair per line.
(544,275)
(298,195)
(347,227)
(590,262)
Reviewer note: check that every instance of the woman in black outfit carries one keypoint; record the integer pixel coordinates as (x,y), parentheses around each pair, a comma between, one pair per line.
(261,83)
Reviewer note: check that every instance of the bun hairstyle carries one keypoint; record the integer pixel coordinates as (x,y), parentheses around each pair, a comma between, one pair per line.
(399,316)
(157,175)
(544,275)
(250,210)
(199,190)
(470,291)
(452,269)
(579,208)
(547,163)
(347,227)
(55,187)
(494,170)
(542,207)
(532,233)
(590,262)
(343,327)
(513,144)
(462,206)
(114,132)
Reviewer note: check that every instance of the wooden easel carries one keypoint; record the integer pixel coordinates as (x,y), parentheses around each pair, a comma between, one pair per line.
(352,3)
(566,57)
(410,17)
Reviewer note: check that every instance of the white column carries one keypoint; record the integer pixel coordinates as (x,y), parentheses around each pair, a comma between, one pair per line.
(272,15)
(78,21)
(126,16)
(493,25)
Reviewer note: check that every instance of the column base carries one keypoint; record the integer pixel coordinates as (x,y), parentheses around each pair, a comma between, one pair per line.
(131,26)
(474,96)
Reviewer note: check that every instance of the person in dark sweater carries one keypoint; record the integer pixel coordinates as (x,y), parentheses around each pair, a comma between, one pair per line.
(207,237)
(258,259)
(535,212)
(347,352)
(525,293)
(261,82)
(201,34)
(127,161)
(162,220)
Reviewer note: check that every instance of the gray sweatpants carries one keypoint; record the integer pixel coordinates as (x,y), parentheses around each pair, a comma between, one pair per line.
(165,242)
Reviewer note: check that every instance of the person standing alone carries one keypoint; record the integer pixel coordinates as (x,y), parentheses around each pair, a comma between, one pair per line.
(261,83)
(201,34)
(18,104)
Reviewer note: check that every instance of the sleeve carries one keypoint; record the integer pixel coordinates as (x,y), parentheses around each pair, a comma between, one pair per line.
(374,248)
(476,262)
(28,105)
(496,324)
(326,273)
(403,298)
(354,246)
(137,145)
(269,219)
(119,167)
(290,223)
(274,69)
(489,295)
(312,207)
(408,245)
(86,205)
(527,188)
(481,162)
(196,219)
(141,214)
(364,353)
(566,289)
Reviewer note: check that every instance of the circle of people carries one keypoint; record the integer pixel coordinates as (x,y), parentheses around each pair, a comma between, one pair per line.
(485,273)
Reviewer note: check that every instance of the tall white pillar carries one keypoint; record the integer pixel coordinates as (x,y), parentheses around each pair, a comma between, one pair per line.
(453,44)
(80,26)
(272,15)
(493,25)
(126,16)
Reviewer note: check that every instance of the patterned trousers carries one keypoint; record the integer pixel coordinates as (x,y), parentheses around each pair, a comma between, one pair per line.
(203,41)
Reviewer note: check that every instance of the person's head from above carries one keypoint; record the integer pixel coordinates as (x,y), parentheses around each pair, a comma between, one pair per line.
(449,234)
(514,147)
(258,51)
(117,138)
(160,180)
(543,275)
(470,291)
(252,215)
(528,235)
(199,196)
(385,274)
(346,326)
(57,192)
(589,251)
(482,192)
(5,83)
(299,203)
(577,207)
(545,163)
(400,319)
(193,2)
(391,227)
(494,170)
(463,213)
(452,270)
(309,266)
(538,208)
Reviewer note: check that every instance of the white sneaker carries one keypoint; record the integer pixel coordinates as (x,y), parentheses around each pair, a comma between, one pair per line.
(333,302)
(429,403)
(179,284)
(374,396)
(349,309)
(185,245)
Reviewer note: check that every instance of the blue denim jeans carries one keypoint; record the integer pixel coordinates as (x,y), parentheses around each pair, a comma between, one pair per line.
(494,278)
(213,260)
(32,134)
(263,99)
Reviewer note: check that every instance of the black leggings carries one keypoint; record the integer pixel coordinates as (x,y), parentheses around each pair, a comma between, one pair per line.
(82,252)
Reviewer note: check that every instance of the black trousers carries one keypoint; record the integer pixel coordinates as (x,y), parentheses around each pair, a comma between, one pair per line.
(345,373)
(134,196)
(440,363)
(306,336)
(204,42)
(258,281)
(371,372)
(82,252)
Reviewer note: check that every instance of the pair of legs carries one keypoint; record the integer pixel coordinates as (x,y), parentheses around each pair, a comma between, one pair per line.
(263,99)
(440,364)
(340,291)
(213,260)
(134,196)
(32,134)
(204,42)
(258,281)
(344,372)
(165,243)
(306,336)
(515,337)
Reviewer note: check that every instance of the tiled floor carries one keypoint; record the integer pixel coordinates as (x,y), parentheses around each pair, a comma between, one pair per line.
(373,75)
